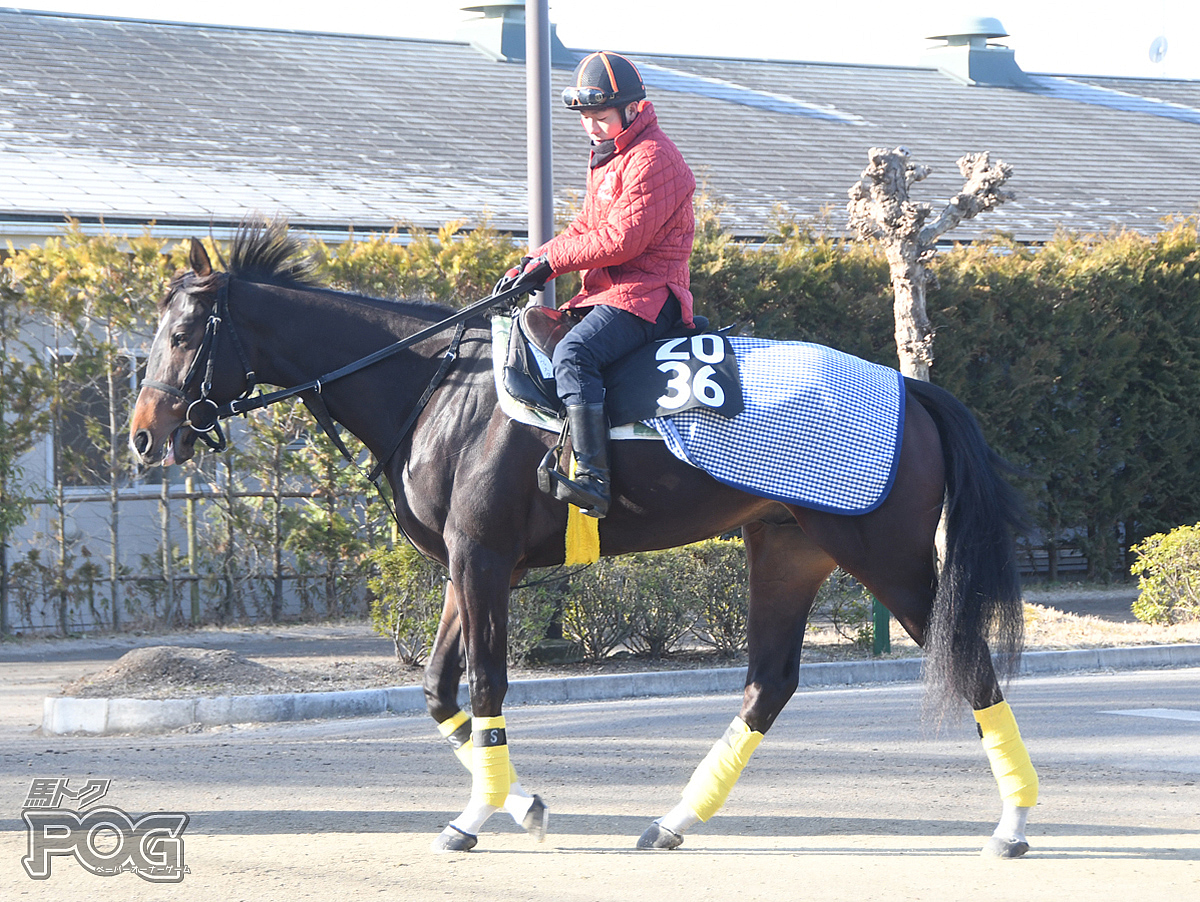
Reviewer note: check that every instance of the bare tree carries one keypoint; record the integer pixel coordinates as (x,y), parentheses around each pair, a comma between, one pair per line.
(880,208)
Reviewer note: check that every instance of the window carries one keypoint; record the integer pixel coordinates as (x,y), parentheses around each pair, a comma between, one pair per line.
(80,446)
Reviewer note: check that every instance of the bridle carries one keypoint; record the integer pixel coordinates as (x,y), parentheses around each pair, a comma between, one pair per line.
(203,415)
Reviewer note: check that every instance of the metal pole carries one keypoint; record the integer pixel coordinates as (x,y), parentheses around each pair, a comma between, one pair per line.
(168,569)
(190,488)
(277,535)
(537,127)
(881,631)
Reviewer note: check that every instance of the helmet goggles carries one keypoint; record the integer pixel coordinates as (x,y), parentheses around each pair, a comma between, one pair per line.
(588,98)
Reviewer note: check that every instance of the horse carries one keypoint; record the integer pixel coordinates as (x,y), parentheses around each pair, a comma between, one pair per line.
(462,476)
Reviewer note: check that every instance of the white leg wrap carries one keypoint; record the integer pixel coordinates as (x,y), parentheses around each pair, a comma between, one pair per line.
(474,816)
(1012,823)
(679,818)
(517,802)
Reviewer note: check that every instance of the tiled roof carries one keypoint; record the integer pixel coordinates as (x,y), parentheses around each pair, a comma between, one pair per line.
(132,121)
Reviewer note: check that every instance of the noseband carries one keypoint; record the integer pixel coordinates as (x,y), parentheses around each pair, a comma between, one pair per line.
(203,416)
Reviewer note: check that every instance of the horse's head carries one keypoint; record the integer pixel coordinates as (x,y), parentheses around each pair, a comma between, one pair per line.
(175,406)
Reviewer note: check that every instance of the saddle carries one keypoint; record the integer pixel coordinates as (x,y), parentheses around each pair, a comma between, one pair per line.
(634,385)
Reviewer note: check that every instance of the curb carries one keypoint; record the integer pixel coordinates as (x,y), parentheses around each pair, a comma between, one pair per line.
(98,716)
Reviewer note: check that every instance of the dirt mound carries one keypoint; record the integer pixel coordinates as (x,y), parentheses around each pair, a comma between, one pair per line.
(153,672)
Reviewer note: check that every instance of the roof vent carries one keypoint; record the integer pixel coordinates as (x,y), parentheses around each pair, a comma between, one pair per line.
(499,33)
(969,59)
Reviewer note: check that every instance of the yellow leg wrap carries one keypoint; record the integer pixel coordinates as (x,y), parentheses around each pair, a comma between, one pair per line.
(1008,756)
(459,737)
(709,787)
(491,766)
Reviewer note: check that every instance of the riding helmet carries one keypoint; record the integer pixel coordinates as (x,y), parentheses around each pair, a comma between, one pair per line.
(602,80)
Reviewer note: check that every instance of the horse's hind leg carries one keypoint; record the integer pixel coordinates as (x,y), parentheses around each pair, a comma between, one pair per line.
(443,672)
(1015,776)
(786,569)
(910,600)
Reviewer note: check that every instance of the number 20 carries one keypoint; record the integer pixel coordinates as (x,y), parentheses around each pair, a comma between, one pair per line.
(708,348)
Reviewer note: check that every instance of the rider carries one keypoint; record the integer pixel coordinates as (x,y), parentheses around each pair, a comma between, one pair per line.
(631,239)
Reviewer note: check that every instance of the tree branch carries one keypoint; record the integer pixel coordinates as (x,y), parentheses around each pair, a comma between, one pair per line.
(982,191)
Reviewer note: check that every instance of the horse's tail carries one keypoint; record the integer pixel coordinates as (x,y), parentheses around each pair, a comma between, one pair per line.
(978,590)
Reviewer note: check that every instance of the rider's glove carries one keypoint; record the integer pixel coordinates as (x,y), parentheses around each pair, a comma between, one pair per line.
(535,273)
(509,279)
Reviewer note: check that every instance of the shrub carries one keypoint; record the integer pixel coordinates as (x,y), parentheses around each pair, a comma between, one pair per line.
(595,612)
(716,574)
(408,590)
(1168,572)
(531,610)
(661,609)
(848,606)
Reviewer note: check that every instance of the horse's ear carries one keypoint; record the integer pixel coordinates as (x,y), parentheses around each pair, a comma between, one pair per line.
(199,259)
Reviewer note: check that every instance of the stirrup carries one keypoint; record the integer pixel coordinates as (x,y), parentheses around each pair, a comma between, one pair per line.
(553,483)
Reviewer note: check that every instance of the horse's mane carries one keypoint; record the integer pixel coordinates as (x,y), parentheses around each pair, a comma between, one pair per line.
(262,251)
(265,251)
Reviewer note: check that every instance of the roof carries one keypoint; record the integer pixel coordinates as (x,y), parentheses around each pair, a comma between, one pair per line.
(191,125)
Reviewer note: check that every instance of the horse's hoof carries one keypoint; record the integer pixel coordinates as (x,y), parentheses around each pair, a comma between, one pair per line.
(997,847)
(454,840)
(536,818)
(659,837)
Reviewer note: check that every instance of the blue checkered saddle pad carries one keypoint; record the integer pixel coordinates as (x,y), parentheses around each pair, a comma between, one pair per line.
(820,428)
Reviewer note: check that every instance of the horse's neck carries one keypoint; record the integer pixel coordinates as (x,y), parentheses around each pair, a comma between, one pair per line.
(296,336)
(300,335)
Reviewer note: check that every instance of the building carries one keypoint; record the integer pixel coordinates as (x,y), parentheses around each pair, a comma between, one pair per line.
(193,126)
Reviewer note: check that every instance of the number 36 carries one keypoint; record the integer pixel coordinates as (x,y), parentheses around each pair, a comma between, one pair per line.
(684,384)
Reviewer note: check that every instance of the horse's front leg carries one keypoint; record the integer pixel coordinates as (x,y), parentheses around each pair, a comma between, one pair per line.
(786,569)
(480,581)
(442,674)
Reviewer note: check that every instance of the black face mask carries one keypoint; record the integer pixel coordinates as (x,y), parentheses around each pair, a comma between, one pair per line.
(602,152)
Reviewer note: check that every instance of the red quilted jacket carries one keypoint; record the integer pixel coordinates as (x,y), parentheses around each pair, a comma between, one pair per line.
(633,237)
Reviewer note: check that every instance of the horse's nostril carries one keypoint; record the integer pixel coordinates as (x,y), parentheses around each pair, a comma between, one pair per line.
(141,441)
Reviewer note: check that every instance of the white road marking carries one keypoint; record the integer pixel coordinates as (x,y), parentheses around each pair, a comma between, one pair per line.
(1165,713)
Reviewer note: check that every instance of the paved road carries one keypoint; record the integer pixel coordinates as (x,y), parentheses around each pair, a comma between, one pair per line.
(850,797)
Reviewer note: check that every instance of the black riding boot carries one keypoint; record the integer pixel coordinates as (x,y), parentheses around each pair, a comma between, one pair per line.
(589,490)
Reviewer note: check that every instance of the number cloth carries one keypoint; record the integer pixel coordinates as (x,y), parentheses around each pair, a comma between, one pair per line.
(820,428)
(835,422)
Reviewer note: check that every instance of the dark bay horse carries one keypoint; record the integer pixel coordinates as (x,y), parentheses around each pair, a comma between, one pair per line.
(464,484)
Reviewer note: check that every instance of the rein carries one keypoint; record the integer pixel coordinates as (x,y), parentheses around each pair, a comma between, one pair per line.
(244,404)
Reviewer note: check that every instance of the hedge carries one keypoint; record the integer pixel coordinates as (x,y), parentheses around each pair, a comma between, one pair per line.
(1081,359)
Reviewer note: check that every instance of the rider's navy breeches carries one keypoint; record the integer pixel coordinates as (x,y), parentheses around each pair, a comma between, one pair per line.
(603,336)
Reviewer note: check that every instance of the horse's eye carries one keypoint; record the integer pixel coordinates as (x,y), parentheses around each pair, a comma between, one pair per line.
(178,340)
